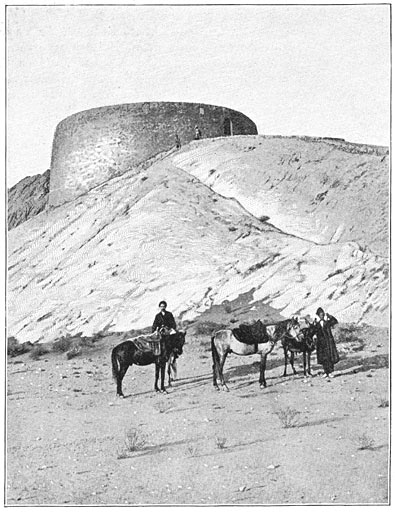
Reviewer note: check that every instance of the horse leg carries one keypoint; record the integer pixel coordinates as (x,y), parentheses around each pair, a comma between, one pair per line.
(285,361)
(172,369)
(304,363)
(169,363)
(156,377)
(162,377)
(292,360)
(215,357)
(309,363)
(262,380)
(221,371)
(119,378)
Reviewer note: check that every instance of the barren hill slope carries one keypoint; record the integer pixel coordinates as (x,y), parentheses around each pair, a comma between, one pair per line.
(320,189)
(108,257)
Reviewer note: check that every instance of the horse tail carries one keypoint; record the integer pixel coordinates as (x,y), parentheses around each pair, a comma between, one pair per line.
(114,362)
(214,351)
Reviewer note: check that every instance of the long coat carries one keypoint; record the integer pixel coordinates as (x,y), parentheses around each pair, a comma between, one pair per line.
(326,347)
(166,320)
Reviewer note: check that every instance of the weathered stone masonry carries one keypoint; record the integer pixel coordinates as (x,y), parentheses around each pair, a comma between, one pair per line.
(94,145)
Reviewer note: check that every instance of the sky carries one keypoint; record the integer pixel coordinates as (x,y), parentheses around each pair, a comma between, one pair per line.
(294,70)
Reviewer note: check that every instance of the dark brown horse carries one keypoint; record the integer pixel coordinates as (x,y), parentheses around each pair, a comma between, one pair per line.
(145,350)
(305,344)
(263,339)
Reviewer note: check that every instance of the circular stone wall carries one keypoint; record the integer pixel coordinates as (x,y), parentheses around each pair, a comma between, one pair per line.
(94,145)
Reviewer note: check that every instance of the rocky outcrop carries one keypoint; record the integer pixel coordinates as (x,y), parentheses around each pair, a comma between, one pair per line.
(27,198)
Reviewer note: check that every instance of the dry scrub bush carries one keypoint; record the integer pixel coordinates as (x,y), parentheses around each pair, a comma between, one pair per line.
(133,442)
(163,406)
(288,417)
(63,344)
(207,328)
(384,402)
(73,352)
(38,351)
(14,348)
(192,450)
(365,442)
(220,442)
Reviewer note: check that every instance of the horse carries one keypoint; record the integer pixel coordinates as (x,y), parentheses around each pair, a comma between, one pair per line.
(306,344)
(142,351)
(262,341)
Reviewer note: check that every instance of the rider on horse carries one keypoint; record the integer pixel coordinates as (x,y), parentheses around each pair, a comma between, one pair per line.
(164,318)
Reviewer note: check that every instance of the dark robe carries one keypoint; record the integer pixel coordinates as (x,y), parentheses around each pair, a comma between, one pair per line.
(327,354)
(164,320)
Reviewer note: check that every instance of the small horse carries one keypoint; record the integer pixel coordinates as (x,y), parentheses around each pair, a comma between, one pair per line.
(306,344)
(140,351)
(224,342)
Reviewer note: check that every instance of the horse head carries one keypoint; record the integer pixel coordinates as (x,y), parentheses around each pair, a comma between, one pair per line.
(178,340)
(293,329)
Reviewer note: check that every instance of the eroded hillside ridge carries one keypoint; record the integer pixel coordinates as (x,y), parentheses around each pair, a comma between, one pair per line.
(27,198)
(324,190)
(106,258)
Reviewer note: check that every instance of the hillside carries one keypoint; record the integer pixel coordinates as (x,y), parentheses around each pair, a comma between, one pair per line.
(324,190)
(104,260)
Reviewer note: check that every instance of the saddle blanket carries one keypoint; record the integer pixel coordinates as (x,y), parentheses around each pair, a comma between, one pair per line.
(251,334)
(148,343)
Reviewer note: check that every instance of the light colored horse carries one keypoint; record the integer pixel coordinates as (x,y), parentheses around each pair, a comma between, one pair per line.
(224,342)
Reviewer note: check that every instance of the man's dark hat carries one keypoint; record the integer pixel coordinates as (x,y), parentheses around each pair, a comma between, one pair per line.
(163,302)
(319,310)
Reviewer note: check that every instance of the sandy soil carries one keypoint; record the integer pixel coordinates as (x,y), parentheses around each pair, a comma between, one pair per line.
(66,430)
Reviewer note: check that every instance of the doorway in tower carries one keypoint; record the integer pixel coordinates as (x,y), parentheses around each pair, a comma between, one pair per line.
(228,126)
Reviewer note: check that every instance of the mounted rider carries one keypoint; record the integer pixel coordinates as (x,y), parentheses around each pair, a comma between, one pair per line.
(164,319)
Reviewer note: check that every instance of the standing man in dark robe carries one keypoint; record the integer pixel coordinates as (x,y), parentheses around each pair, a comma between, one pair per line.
(164,318)
(327,354)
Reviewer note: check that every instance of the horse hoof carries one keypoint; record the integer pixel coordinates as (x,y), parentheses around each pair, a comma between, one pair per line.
(262,386)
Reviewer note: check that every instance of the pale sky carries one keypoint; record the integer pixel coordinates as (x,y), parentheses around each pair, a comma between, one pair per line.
(294,70)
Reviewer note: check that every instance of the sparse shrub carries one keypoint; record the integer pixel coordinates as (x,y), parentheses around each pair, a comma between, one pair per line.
(38,350)
(14,348)
(288,417)
(228,308)
(349,334)
(73,352)
(365,442)
(207,328)
(63,344)
(220,442)
(133,442)
(384,402)
(163,406)
(192,450)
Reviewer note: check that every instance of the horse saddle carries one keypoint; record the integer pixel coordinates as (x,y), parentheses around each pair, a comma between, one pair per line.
(251,334)
(148,343)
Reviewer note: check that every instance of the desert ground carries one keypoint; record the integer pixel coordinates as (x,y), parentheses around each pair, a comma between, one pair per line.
(300,440)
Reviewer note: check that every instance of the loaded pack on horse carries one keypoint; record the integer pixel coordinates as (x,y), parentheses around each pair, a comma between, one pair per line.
(247,340)
(305,344)
(144,350)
